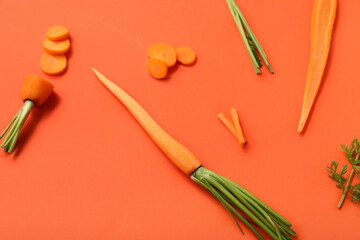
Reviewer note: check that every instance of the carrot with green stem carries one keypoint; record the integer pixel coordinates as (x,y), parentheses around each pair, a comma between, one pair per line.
(35,91)
(231,195)
(323,19)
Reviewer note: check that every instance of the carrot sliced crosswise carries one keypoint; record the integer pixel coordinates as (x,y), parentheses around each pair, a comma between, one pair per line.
(185,55)
(228,124)
(36,89)
(56,47)
(236,122)
(164,52)
(53,64)
(57,33)
(157,68)
(180,155)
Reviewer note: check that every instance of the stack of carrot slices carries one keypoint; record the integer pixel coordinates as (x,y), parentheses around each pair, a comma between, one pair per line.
(57,43)
(162,56)
(234,127)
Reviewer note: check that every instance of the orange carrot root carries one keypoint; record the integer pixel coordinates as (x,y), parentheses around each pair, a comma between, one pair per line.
(57,33)
(185,55)
(36,89)
(181,156)
(53,64)
(323,19)
(164,52)
(157,68)
(236,122)
(56,47)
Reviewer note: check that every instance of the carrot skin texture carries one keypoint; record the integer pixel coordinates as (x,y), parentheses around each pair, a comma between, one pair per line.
(36,89)
(180,155)
(323,19)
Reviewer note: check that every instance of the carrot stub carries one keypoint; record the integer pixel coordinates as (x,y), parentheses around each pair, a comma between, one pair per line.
(56,47)
(36,89)
(157,68)
(164,52)
(53,64)
(180,155)
(323,19)
(185,55)
(57,33)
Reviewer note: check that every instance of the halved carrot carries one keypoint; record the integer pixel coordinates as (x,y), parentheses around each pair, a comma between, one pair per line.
(53,64)
(323,19)
(36,89)
(157,68)
(56,47)
(164,52)
(235,118)
(180,155)
(185,55)
(57,33)
(228,124)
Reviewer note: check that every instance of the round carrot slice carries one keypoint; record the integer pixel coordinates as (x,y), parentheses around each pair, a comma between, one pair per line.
(157,68)
(57,33)
(164,52)
(53,64)
(185,55)
(56,47)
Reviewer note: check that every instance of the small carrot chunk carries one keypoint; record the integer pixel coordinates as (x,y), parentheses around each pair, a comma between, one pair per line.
(157,68)
(185,55)
(57,33)
(164,52)
(235,118)
(36,89)
(56,47)
(53,64)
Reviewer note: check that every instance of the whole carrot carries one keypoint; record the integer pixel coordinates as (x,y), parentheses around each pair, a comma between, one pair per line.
(230,194)
(323,19)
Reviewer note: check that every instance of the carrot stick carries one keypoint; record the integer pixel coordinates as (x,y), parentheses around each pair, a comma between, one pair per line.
(323,19)
(185,55)
(56,47)
(57,33)
(53,64)
(228,124)
(181,156)
(157,68)
(36,89)
(235,118)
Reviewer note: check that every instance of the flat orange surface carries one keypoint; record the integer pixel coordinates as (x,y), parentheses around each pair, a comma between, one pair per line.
(84,169)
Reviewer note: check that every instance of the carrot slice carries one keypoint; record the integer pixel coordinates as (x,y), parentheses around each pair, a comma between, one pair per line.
(235,118)
(157,68)
(323,19)
(36,89)
(56,47)
(164,52)
(228,124)
(180,155)
(185,55)
(53,64)
(57,33)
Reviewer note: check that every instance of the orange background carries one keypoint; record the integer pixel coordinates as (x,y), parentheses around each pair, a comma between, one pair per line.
(84,169)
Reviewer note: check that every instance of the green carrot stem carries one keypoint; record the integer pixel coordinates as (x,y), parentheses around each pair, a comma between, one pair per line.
(16,125)
(346,189)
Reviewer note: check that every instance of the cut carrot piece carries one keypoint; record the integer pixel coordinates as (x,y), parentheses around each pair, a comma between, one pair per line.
(53,64)
(56,47)
(152,48)
(180,155)
(228,124)
(57,33)
(157,68)
(164,52)
(235,118)
(323,19)
(36,89)
(185,55)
